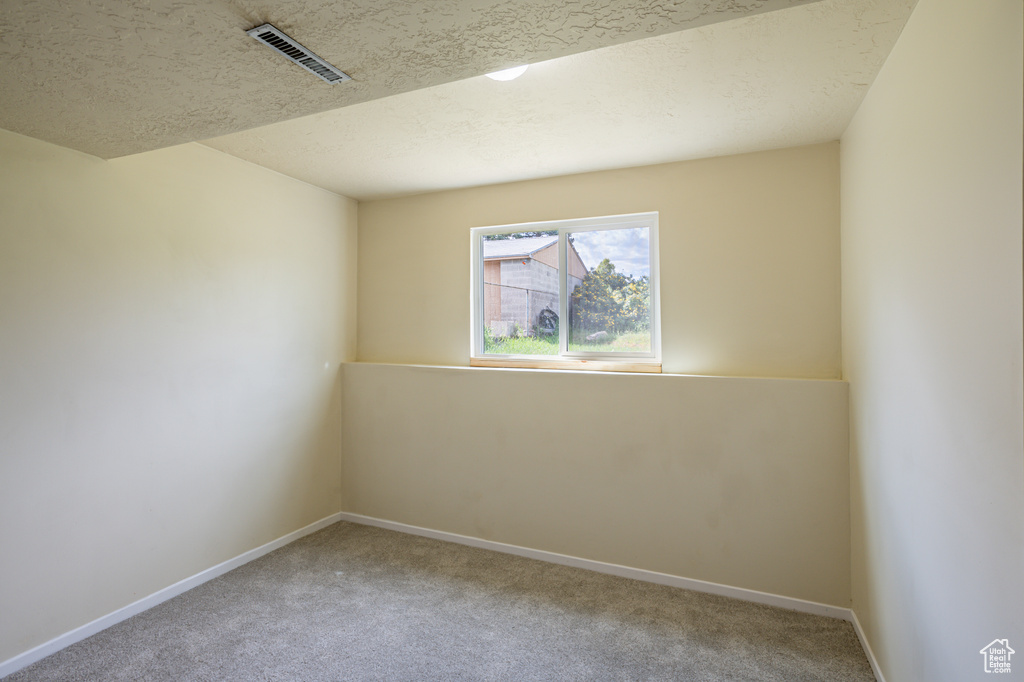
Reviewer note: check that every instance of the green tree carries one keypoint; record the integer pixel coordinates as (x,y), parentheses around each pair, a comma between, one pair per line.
(520,235)
(597,301)
(609,301)
(636,304)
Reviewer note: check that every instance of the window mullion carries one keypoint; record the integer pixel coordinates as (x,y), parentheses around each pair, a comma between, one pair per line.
(563,303)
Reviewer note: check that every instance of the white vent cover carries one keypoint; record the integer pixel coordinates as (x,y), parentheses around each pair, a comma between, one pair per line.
(270,36)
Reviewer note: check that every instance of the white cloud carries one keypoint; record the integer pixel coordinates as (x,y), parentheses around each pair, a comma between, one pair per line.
(628,249)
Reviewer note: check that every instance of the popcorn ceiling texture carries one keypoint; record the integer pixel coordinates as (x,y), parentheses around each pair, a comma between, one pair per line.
(777,79)
(112,79)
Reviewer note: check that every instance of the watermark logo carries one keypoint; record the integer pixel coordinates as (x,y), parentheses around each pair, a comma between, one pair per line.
(997,656)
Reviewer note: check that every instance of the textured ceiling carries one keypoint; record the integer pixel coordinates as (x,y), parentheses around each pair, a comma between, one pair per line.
(785,78)
(113,78)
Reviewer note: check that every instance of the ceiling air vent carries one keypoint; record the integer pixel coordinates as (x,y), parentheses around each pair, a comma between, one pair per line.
(270,36)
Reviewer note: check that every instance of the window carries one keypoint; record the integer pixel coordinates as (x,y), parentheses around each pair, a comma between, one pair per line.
(569,293)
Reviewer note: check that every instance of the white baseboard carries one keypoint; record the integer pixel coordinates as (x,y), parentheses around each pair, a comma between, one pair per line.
(755,596)
(790,603)
(29,657)
(40,652)
(867,647)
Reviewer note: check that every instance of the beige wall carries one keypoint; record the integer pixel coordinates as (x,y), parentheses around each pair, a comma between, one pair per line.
(749,260)
(932,343)
(737,481)
(171,328)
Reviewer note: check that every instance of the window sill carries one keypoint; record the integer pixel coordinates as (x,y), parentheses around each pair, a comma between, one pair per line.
(590,365)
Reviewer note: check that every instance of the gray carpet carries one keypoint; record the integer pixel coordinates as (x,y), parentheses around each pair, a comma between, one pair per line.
(353,602)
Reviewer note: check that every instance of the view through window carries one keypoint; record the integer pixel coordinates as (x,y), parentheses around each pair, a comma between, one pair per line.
(583,289)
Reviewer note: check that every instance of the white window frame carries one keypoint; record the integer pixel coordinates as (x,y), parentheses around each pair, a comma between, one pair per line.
(630,362)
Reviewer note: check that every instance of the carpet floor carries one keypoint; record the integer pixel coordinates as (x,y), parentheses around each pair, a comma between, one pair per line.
(354,602)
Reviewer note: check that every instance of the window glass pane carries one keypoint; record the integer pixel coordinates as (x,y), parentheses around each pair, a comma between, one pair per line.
(609,291)
(520,296)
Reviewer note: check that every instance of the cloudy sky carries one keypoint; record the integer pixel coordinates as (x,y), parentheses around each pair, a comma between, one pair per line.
(628,249)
